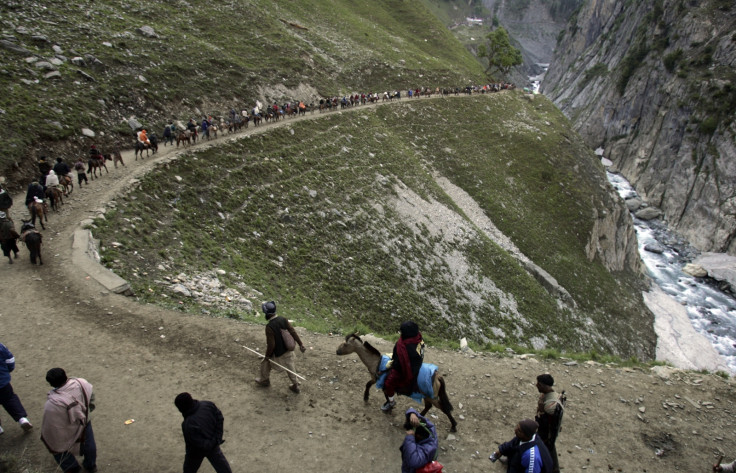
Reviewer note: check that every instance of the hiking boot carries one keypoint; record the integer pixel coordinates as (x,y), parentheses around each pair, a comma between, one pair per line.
(263,383)
(295,388)
(388,405)
(25,424)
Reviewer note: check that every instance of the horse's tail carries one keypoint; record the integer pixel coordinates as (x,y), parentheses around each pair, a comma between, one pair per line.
(444,399)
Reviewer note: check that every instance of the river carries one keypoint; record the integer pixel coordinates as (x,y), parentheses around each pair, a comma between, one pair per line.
(712,312)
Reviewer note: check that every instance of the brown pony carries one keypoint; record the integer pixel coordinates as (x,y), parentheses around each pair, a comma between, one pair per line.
(116,157)
(371,358)
(55,196)
(95,163)
(67,183)
(32,238)
(183,137)
(38,209)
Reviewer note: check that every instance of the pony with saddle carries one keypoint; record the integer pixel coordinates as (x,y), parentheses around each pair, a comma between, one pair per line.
(32,238)
(431,385)
(38,208)
(96,162)
(56,197)
(140,147)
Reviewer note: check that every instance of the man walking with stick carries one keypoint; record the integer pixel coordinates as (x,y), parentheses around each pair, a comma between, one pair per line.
(281,339)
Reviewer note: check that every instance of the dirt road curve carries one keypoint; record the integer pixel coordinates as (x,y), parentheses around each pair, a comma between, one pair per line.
(138,357)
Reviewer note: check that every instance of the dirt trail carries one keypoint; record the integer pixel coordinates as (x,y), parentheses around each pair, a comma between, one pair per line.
(138,357)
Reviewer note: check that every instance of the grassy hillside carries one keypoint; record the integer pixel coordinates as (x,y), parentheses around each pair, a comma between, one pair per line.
(202,59)
(342,221)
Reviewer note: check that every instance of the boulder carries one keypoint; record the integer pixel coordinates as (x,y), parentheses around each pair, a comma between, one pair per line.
(654,248)
(88,133)
(134,124)
(14,48)
(52,75)
(78,61)
(695,270)
(633,204)
(44,65)
(649,213)
(147,31)
(720,266)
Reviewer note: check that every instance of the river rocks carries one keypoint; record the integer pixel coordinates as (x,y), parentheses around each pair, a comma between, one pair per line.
(695,270)
(654,248)
(633,204)
(648,213)
(720,267)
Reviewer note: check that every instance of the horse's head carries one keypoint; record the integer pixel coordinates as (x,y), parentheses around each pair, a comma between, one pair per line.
(351,344)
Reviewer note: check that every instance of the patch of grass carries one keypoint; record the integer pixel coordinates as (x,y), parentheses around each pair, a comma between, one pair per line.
(316,221)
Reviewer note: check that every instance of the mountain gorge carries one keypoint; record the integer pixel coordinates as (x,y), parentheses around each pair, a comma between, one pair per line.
(653,83)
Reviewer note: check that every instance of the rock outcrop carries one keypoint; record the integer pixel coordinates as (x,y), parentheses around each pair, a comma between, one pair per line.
(653,83)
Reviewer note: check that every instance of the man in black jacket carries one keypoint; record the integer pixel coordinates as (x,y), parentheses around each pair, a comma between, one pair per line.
(202,428)
(276,348)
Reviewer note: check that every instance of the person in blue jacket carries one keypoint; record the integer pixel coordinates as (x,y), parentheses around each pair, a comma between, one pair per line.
(8,399)
(526,452)
(420,443)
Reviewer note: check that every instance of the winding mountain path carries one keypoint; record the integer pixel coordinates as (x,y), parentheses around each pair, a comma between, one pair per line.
(139,357)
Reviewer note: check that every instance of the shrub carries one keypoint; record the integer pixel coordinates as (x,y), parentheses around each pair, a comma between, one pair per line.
(708,126)
(670,60)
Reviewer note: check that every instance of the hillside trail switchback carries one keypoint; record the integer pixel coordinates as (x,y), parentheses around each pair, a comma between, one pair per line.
(140,356)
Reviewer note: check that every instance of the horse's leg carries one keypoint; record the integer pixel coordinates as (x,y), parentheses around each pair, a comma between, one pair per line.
(367,392)
(427,406)
(104,166)
(444,402)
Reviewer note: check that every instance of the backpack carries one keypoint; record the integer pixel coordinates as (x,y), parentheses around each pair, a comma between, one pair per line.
(289,341)
(557,416)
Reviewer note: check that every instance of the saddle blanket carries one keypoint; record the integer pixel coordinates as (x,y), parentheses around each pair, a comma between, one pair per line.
(424,381)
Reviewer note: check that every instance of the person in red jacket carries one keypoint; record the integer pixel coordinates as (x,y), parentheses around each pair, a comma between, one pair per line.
(406,361)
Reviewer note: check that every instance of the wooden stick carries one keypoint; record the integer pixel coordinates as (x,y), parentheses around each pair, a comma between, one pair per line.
(282,367)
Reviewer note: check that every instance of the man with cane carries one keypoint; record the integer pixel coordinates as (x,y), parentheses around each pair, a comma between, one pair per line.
(279,349)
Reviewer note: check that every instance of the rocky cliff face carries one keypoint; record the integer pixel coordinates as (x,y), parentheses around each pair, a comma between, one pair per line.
(654,83)
(535,24)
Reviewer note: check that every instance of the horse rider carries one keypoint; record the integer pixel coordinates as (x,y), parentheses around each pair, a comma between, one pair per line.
(52,182)
(35,192)
(143,137)
(168,134)
(191,126)
(407,359)
(61,168)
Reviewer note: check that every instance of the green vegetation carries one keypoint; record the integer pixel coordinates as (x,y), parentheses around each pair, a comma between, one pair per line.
(670,60)
(499,52)
(598,70)
(210,59)
(326,217)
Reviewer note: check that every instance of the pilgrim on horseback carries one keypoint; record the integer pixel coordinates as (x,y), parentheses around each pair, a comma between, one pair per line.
(62,172)
(52,189)
(431,385)
(406,362)
(8,237)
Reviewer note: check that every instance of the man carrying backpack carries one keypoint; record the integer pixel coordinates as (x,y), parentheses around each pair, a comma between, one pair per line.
(549,415)
(66,429)
(277,348)
(203,429)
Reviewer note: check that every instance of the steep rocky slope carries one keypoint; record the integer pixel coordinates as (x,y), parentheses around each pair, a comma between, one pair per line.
(654,83)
